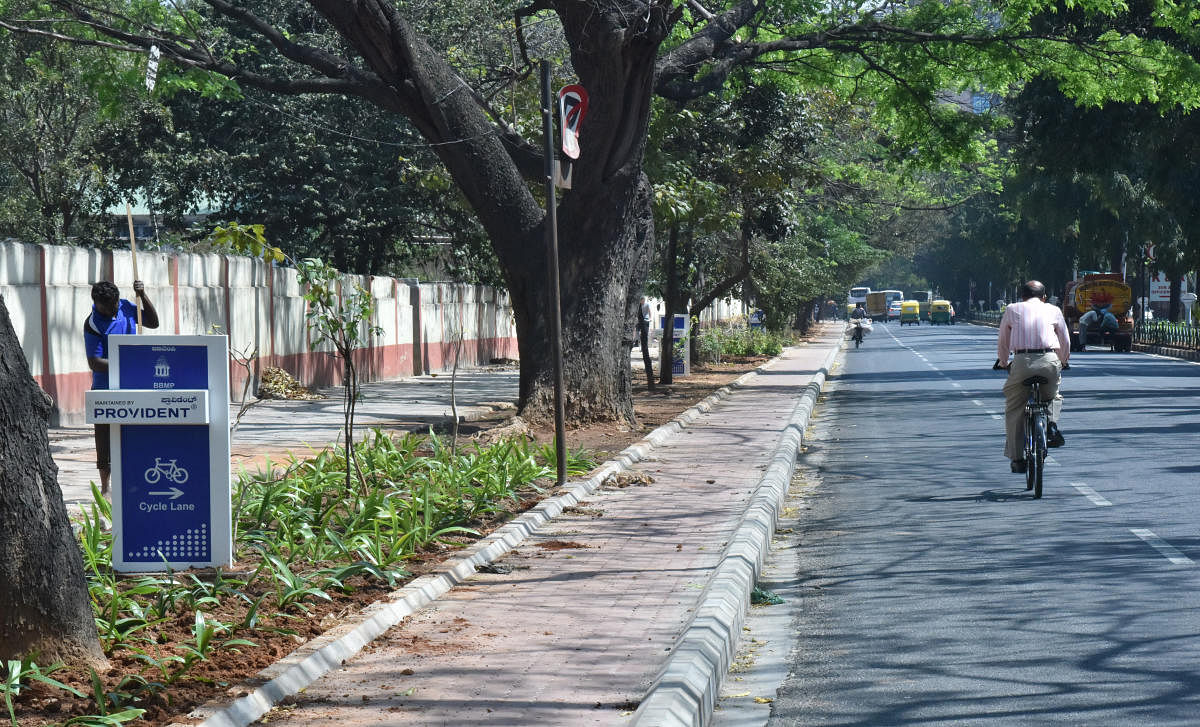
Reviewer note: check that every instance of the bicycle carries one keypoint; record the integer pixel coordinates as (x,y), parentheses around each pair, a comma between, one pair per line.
(1037,422)
(169,469)
(857,333)
(1037,418)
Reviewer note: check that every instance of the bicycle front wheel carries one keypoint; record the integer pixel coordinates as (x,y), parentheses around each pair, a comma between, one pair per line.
(1037,480)
(1029,452)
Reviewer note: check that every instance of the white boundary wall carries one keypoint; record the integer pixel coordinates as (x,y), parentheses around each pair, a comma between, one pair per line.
(47,290)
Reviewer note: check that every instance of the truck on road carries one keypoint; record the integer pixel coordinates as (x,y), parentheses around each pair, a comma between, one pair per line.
(1087,300)
(877,305)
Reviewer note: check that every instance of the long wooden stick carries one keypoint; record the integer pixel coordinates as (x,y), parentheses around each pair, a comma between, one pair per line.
(137,300)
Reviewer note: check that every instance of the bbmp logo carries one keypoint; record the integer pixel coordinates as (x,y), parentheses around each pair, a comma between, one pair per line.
(161,368)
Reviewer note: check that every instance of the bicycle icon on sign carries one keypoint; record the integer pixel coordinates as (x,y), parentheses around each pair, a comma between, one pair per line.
(168,469)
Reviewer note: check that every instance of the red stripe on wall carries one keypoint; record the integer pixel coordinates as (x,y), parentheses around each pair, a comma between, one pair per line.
(313,369)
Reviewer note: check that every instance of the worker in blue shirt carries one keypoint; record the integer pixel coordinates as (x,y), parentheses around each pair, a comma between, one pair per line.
(110,314)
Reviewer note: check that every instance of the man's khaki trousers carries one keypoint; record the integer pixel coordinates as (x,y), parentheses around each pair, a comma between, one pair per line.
(1016,394)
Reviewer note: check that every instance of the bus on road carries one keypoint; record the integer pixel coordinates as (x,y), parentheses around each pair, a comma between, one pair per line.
(855,296)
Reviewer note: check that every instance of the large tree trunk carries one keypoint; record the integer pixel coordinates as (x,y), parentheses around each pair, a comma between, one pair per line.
(44,605)
(602,267)
(605,220)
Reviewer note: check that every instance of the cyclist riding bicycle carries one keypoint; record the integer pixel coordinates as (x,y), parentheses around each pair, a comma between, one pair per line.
(1036,335)
(860,324)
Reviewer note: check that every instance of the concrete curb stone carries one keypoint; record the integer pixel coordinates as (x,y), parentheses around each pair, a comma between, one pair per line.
(686,691)
(327,652)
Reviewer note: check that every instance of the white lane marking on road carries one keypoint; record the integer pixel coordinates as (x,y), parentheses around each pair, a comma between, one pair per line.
(1161,546)
(1096,498)
(976,402)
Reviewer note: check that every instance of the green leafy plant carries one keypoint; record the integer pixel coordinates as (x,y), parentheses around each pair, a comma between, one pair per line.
(18,672)
(716,342)
(579,460)
(205,631)
(245,239)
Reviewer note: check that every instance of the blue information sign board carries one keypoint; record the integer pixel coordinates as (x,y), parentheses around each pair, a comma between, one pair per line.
(171,494)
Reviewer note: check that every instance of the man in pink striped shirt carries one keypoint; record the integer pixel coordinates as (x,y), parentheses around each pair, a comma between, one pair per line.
(1035,334)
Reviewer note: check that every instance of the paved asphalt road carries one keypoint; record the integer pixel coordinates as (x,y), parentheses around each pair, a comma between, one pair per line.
(929,588)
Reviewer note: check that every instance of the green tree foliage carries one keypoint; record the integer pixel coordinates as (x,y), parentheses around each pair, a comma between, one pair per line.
(52,111)
(786,197)
(331,177)
(904,59)
(1087,189)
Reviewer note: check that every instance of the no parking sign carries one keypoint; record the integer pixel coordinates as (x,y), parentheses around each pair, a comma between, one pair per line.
(170,438)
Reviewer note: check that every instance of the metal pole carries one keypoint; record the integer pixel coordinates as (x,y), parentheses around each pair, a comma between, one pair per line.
(1145,291)
(555,313)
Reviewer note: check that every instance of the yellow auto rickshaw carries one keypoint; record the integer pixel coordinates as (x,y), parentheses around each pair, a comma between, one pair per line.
(910,312)
(940,312)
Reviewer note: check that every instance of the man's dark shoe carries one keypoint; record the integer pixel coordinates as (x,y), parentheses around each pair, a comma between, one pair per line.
(1018,466)
(1054,438)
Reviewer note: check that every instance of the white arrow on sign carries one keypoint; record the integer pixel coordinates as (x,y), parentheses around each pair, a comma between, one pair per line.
(572,105)
(174,493)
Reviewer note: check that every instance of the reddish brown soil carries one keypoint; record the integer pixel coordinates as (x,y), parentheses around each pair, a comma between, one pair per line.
(229,673)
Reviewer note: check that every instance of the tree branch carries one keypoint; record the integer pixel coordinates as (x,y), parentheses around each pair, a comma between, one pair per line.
(341,77)
(703,63)
(725,286)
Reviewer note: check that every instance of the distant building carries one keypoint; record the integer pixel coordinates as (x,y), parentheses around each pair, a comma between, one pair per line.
(146,227)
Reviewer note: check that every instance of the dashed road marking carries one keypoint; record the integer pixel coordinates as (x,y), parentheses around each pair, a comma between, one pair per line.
(1096,498)
(1162,546)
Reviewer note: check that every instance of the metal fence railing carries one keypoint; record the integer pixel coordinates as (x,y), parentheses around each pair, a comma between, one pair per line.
(1150,333)
(1166,333)
(988,316)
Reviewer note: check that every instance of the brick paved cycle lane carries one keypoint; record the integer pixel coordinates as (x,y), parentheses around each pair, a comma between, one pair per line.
(585,612)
